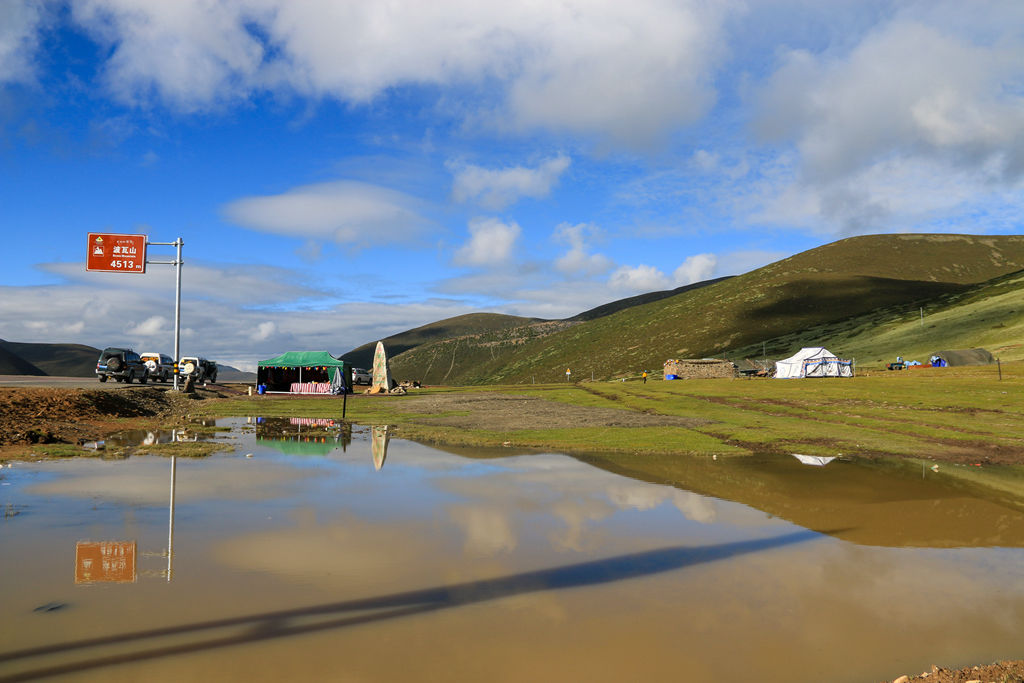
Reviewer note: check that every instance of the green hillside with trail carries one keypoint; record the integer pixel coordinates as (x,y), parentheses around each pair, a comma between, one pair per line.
(459,326)
(831,295)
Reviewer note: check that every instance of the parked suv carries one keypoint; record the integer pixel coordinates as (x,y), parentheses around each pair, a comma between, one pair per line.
(160,366)
(124,365)
(204,370)
(361,376)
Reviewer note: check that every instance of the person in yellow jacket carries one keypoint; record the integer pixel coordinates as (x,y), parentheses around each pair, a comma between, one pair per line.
(645,377)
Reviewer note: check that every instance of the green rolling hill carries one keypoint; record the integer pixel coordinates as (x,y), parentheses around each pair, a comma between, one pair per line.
(13,364)
(58,360)
(459,326)
(844,287)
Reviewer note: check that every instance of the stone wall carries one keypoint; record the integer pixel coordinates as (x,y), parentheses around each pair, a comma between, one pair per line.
(700,368)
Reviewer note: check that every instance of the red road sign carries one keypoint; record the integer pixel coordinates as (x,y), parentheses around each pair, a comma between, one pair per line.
(116,253)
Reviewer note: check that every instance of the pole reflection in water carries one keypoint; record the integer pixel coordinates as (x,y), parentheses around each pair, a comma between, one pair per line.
(170,521)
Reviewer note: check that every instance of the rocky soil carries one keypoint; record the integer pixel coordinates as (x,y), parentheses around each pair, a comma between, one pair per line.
(38,415)
(999,672)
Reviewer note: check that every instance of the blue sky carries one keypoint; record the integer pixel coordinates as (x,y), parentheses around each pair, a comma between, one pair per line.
(341,171)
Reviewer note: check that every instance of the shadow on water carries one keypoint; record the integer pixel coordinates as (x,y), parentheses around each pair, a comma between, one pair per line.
(293,622)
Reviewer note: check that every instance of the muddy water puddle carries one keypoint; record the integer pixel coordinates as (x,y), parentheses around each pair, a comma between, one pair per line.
(319,551)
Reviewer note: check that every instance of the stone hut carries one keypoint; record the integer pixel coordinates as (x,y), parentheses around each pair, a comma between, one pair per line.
(699,368)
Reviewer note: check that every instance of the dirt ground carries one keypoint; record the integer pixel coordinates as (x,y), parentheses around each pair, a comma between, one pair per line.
(40,415)
(506,412)
(999,672)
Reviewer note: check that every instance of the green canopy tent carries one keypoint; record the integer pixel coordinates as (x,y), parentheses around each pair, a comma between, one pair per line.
(313,372)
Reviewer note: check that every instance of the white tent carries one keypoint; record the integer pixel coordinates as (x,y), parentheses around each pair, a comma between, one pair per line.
(813,362)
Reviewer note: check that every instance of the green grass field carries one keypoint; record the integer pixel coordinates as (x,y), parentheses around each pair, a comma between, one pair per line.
(962,415)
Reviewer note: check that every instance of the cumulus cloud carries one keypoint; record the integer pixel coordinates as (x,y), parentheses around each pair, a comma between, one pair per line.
(923,115)
(496,189)
(20,21)
(695,269)
(149,327)
(490,242)
(264,330)
(191,54)
(628,73)
(347,212)
(578,261)
(636,279)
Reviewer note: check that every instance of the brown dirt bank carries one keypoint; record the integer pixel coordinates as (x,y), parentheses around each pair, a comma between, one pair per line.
(998,672)
(39,415)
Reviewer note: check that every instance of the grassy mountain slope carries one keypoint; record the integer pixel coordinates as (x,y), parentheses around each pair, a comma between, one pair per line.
(13,364)
(462,325)
(59,360)
(989,315)
(650,297)
(826,285)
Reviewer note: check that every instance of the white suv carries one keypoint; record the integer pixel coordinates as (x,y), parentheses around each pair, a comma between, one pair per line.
(160,366)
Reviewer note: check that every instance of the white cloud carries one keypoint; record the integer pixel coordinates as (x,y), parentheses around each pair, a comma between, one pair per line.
(496,189)
(644,278)
(490,242)
(149,327)
(628,73)
(577,261)
(191,54)
(20,21)
(343,211)
(695,269)
(921,119)
(637,279)
(264,330)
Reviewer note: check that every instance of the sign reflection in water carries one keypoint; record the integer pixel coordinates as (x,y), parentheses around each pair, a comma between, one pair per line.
(105,562)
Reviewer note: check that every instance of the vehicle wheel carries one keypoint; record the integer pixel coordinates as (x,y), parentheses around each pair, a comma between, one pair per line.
(143,379)
(103,378)
(114,364)
(128,379)
(214,379)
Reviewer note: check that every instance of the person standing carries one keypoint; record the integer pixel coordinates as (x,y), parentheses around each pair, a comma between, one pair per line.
(645,377)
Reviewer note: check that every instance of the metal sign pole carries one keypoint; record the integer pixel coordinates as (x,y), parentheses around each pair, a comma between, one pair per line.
(177,309)
(177,299)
